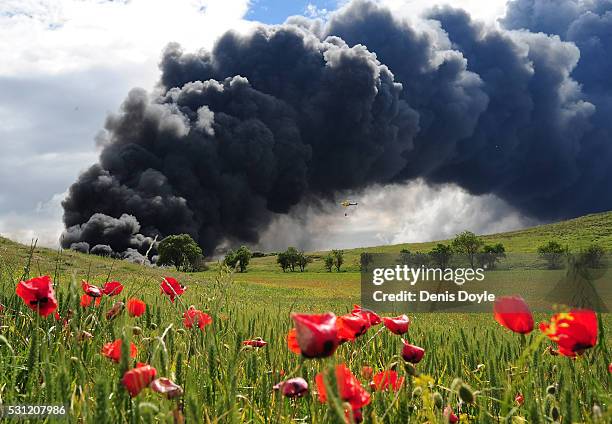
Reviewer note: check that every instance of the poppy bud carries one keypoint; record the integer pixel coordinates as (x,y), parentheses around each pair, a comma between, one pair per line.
(554,413)
(166,387)
(294,387)
(417,392)
(412,353)
(438,400)
(136,331)
(84,335)
(597,412)
(410,369)
(519,399)
(551,390)
(115,311)
(466,393)
(366,372)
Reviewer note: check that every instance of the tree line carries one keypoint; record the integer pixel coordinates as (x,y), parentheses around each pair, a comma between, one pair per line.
(182,252)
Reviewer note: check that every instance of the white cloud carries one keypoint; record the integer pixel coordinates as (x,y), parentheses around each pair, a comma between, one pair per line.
(47,36)
(65,65)
(485,10)
(44,223)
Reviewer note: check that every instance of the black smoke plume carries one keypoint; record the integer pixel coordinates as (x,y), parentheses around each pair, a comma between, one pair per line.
(297,112)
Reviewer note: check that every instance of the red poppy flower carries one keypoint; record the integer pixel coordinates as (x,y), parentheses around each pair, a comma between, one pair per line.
(513,313)
(610,368)
(519,399)
(292,388)
(349,388)
(86,300)
(167,387)
(387,379)
(316,334)
(112,288)
(450,415)
(574,331)
(257,342)
(351,326)
(371,316)
(194,316)
(112,350)
(138,378)
(397,325)
(412,353)
(136,307)
(292,343)
(172,288)
(38,295)
(91,290)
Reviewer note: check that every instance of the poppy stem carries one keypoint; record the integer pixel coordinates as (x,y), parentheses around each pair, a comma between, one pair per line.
(380,330)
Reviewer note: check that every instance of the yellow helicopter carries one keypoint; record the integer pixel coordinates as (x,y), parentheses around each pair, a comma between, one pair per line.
(346,204)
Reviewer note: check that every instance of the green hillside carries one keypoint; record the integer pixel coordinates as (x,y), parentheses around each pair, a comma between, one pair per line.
(575,233)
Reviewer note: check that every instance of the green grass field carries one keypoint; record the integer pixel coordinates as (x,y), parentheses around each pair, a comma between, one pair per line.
(43,362)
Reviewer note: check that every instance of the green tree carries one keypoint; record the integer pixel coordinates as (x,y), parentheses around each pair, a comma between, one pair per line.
(180,251)
(441,255)
(467,244)
(328,262)
(238,259)
(303,260)
(282,259)
(553,253)
(405,257)
(293,257)
(338,256)
(491,254)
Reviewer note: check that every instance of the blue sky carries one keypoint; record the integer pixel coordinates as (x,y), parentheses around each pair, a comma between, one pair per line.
(276,11)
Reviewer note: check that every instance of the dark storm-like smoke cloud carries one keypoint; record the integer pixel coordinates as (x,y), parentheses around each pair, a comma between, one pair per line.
(298,112)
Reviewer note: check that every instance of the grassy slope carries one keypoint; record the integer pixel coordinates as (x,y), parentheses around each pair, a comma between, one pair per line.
(257,305)
(575,233)
(265,283)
